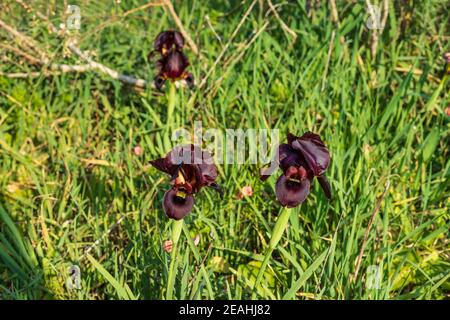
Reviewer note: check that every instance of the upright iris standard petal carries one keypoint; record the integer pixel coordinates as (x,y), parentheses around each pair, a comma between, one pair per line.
(291,193)
(289,157)
(284,157)
(208,169)
(314,152)
(167,40)
(177,206)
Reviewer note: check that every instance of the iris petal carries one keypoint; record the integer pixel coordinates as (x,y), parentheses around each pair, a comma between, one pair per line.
(207,169)
(197,162)
(174,64)
(162,165)
(190,169)
(291,193)
(323,181)
(168,39)
(289,157)
(286,157)
(314,152)
(177,207)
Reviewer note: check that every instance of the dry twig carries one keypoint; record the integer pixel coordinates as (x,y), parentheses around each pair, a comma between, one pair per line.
(57,69)
(63,68)
(191,43)
(376,32)
(225,48)
(44,61)
(237,58)
(366,234)
(140,83)
(282,23)
(24,41)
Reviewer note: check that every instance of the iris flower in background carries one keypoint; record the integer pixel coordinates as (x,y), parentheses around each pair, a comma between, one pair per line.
(173,62)
(191,169)
(446,57)
(301,159)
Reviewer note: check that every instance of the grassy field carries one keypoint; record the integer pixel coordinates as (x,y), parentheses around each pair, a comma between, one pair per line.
(74,191)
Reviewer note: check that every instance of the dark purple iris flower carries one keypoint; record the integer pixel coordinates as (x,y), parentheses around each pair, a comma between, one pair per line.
(301,159)
(173,63)
(190,169)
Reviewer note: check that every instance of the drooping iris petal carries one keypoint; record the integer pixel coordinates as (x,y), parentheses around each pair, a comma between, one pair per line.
(291,193)
(301,159)
(162,165)
(323,181)
(207,169)
(175,206)
(173,159)
(190,80)
(264,173)
(291,138)
(314,152)
(174,65)
(159,82)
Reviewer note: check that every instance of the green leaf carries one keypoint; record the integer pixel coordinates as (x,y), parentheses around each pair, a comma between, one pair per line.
(123,291)
(430,144)
(305,276)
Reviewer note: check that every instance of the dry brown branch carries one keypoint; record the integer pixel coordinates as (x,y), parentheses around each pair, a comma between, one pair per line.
(19,52)
(92,65)
(366,234)
(54,70)
(335,18)
(191,43)
(24,41)
(375,33)
(385,14)
(227,45)
(238,57)
(116,18)
(143,7)
(28,8)
(31,44)
(21,75)
(140,83)
(282,23)
(334,12)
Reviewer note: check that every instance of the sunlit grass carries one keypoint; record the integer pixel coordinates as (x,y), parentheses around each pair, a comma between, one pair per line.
(72,191)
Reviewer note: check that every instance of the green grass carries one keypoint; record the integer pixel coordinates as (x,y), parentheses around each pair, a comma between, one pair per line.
(382,118)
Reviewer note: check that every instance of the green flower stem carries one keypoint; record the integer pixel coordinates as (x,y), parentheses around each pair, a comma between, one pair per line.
(275,238)
(171,102)
(177,226)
